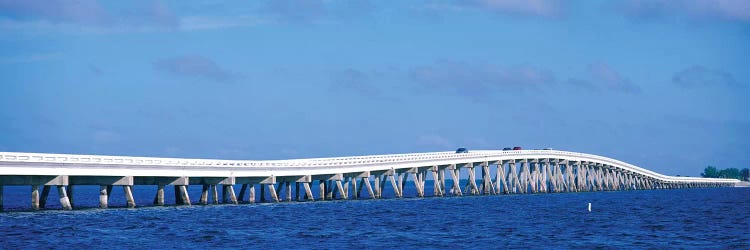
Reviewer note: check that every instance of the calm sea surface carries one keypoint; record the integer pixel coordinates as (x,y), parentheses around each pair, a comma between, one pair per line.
(686,218)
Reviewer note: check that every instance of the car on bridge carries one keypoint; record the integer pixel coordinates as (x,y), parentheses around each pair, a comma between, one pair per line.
(517,148)
(462,150)
(507,149)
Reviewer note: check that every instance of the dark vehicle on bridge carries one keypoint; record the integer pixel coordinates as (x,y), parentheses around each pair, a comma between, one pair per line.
(462,150)
(516,148)
(506,149)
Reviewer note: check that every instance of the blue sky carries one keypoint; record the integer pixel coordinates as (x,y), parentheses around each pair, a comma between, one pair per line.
(660,84)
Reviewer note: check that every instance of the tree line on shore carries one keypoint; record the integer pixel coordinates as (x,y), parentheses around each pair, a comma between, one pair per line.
(727,173)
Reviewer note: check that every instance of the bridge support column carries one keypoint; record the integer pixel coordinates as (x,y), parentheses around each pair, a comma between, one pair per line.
(487,187)
(555,177)
(513,179)
(456,177)
(584,178)
(159,199)
(562,178)
(547,183)
(215,191)
(42,201)
(355,188)
(396,190)
(177,199)
(103,196)
(288,191)
(70,195)
(418,183)
(347,182)
(232,196)
(251,197)
(594,178)
(534,177)
(241,196)
(436,190)
(308,191)
(525,177)
(333,190)
(441,177)
(343,194)
(616,180)
(272,190)
(330,187)
(35,197)
(64,200)
(370,191)
(128,190)
(471,185)
(500,183)
(590,179)
(378,190)
(422,179)
(548,177)
(296,191)
(401,180)
(589,171)
(633,182)
(322,190)
(383,180)
(204,195)
(570,172)
(360,186)
(279,187)
(185,196)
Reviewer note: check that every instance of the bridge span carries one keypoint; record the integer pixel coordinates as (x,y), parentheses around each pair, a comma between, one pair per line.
(501,172)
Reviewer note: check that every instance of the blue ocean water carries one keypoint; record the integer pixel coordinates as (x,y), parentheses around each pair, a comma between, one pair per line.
(681,218)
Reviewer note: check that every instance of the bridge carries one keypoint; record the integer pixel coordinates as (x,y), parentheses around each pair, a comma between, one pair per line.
(514,171)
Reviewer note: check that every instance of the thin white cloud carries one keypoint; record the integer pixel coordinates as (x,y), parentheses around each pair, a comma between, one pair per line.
(697,76)
(30,58)
(610,79)
(472,78)
(105,137)
(190,23)
(88,12)
(726,10)
(193,66)
(602,77)
(434,141)
(542,8)
(354,81)
(530,8)
(86,16)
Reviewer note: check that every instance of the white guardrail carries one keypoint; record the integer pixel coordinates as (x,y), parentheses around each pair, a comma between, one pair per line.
(334,164)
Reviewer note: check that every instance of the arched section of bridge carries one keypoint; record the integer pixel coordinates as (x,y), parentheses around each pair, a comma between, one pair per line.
(500,172)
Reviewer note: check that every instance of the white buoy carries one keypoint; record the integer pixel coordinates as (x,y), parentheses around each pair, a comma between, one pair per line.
(589,206)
